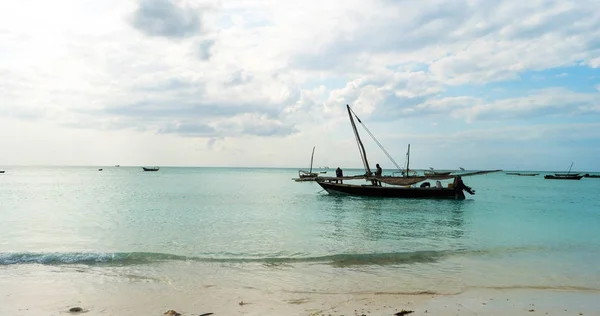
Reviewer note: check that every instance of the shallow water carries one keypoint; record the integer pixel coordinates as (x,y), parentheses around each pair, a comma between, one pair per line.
(258,228)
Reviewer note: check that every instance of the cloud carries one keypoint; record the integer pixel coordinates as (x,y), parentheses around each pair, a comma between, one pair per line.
(204,51)
(462,41)
(269,74)
(531,136)
(547,102)
(238,78)
(166,18)
(391,102)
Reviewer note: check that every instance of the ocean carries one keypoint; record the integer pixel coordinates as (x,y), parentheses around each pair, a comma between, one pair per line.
(87,232)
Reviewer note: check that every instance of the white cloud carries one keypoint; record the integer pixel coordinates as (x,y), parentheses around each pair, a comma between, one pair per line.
(228,71)
(547,102)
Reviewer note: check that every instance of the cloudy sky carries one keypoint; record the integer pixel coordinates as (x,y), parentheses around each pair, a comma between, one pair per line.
(473,83)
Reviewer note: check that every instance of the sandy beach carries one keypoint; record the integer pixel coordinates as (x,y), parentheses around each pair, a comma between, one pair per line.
(53,291)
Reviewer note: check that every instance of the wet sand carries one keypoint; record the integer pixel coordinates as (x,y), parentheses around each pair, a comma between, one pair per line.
(55,293)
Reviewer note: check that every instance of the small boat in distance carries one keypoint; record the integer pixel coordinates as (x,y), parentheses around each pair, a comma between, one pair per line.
(522,174)
(2,171)
(436,173)
(99,169)
(564,176)
(309,175)
(587,175)
(150,169)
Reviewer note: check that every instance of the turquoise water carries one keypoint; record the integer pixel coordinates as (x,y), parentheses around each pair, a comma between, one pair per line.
(227,224)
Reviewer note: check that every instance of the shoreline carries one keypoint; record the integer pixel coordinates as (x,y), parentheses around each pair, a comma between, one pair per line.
(485,302)
(56,290)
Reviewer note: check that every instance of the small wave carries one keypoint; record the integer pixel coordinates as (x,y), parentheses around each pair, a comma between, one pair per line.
(338,260)
(84,258)
(132,258)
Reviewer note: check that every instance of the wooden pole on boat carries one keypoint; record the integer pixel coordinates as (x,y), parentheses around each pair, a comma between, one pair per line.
(361,147)
(311,159)
(407,159)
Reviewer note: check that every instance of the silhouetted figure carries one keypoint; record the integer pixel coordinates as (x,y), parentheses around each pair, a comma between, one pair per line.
(460,185)
(425,185)
(339,173)
(379,171)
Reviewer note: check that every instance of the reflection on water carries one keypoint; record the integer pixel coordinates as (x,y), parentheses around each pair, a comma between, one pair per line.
(396,224)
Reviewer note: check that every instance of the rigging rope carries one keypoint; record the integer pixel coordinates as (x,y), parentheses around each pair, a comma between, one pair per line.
(358,143)
(376,141)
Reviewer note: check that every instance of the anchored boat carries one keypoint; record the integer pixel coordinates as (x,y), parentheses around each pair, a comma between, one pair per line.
(398,186)
(564,176)
(309,175)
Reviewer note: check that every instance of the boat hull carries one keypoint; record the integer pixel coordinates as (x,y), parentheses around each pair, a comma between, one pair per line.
(305,179)
(308,175)
(436,173)
(562,177)
(150,169)
(392,192)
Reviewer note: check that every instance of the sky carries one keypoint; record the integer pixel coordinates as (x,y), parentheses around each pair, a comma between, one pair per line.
(512,85)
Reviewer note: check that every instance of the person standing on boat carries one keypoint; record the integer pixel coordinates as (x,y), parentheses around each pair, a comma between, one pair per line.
(339,173)
(379,171)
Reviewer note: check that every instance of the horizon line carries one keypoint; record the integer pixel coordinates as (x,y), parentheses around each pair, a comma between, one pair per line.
(264,167)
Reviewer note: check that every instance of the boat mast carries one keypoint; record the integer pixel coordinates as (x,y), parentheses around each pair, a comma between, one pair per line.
(361,148)
(407,159)
(570,168)
(311,159)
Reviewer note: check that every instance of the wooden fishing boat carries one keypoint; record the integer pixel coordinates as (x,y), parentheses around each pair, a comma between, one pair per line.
(436,173)
(150,169)
(563,177)
(522,174)
(399,186)
(304,175)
